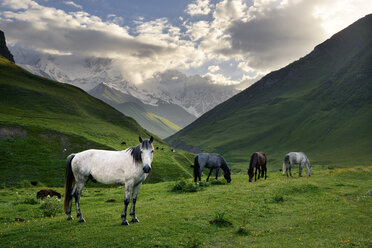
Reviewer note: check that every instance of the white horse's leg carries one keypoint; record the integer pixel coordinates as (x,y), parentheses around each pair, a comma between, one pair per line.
(128,190)
(290,169)
(134,199)
(286,169)
(301,165)
(68,212)
(78,190)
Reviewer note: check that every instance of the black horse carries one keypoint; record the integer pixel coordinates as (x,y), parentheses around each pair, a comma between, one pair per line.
(211,161)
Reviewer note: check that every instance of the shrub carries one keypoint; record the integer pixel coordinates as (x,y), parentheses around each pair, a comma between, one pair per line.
(218,182)
(194,243)
(23,184)
(220,219)
(183,186)
(278,198)
(243,231)
(203,184)
(51,206)
(30,199)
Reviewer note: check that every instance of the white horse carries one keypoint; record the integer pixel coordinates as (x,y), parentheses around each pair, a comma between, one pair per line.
(296,158)
(130,167)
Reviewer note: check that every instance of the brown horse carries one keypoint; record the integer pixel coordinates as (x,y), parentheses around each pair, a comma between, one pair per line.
(258,161)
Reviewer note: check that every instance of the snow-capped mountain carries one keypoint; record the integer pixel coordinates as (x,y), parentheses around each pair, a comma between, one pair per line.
(195,94)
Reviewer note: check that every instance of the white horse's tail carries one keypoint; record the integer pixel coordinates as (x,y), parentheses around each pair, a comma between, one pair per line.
(69,180)
(286,163)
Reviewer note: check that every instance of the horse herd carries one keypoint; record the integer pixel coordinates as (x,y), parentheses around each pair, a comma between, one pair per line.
(132,166)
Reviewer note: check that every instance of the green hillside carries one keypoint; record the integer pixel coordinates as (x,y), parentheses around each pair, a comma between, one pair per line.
(162,120)
(42,121)
(320,104)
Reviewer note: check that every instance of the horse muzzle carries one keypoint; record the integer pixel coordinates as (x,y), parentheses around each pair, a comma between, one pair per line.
(146,168)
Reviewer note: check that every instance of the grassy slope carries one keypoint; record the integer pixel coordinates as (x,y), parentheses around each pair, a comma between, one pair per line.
(58,116)
(154,123)
(330,209)
(163,120)
(320,104)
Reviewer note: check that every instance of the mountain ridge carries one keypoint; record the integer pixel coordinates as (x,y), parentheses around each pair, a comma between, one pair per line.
(162,119)
(305,95)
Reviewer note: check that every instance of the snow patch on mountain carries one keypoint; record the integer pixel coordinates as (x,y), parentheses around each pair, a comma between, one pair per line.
(195,94)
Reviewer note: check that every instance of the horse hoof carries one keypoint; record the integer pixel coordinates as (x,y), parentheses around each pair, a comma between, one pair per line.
(135,220)
(81,220)
(125,223)
(69,218)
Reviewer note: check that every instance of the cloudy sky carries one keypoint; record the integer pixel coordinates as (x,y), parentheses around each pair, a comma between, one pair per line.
(228,41)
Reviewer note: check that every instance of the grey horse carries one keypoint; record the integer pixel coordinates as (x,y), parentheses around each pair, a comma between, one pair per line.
(211,161)
(296,158)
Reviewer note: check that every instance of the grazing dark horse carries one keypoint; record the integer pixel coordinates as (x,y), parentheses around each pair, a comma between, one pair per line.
(45,192)
(123,143)
(211,161)
(258,161)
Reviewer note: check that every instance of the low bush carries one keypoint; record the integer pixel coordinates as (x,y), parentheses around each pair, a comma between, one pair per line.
(183,186)
(218,182)
(51,206)
(220,219)
(31,199)
(278,199)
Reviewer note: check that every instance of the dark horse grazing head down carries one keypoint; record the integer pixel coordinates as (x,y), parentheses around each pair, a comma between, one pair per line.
(258,161)
(45,192)
(211,161)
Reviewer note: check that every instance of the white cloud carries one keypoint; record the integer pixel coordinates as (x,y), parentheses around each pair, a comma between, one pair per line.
(199,7)
(253,37)
(213,68)
(156,47)
(19,4)
(197,30)
(272,33)
(115,19)
(73,4)
(342,14)
(219,78)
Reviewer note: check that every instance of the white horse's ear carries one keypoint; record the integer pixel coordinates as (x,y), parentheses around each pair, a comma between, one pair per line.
(151,139)
(140,139)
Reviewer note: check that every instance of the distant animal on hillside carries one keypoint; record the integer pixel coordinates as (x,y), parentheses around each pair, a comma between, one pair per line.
(211,161)
(296,158)
(129,167)
(157,148)
(123,143)
(258,162)
(162,149)
(45,192)
(172,150)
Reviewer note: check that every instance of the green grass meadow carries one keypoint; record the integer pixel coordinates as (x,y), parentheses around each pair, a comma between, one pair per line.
(329,209)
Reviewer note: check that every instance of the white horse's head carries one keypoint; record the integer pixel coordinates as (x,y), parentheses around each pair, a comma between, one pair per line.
(146,153)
